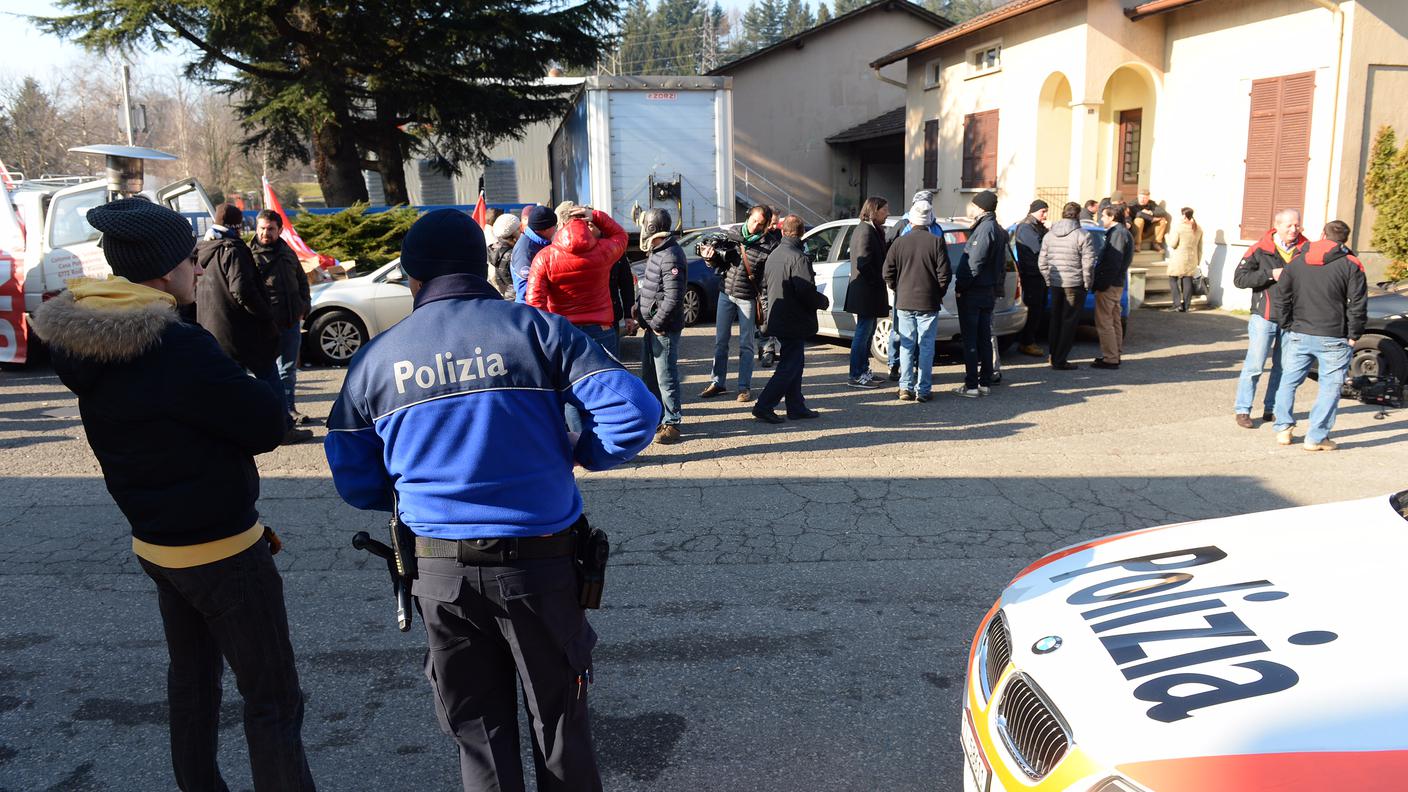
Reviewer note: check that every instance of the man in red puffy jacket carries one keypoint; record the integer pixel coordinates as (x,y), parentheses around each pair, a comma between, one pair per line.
(572,276)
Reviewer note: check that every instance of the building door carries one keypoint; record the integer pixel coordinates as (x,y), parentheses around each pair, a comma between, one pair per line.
(1131,139)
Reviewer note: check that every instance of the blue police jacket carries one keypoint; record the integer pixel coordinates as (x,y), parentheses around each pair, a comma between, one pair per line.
(459,408)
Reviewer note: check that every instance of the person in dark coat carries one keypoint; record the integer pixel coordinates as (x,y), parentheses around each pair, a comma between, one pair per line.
(742,275)
(1028,235)
(1108,285)
(978,280)
(507,229)
(1088,211)
(917,270)
(789,315)
(287,287)
(659,309)
(1067,263)
(233,303)
(1322,298)
(175,425)
(866,296)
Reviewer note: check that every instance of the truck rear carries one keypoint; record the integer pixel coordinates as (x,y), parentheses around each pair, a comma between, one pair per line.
(635,143)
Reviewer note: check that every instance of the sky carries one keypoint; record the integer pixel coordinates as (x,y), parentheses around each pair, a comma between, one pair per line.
(24,51)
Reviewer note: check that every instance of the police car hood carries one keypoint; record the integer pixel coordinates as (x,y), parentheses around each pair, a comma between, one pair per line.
(1270,633)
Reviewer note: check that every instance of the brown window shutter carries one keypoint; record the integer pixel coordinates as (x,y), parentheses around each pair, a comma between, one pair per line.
(989,162)
(1278,150)
(931,155)
(980,150)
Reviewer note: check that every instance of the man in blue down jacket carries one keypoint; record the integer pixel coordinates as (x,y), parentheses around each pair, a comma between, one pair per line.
(537,234)
(660,310)
(454,416)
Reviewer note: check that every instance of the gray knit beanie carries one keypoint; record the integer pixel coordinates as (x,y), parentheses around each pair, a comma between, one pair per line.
(141,240)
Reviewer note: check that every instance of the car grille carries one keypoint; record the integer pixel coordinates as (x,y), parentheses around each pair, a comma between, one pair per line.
(999,651)
(1030,727)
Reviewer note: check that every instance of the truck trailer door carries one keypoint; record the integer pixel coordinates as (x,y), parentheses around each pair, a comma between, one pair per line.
(188,197)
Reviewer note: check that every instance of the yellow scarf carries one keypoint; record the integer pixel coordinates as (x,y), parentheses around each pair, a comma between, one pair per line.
(115,293)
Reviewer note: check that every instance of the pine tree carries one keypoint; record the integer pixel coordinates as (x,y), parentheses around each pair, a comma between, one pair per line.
(847,6)
(1386,188)
(796,17)
(823,14)
(1380,163)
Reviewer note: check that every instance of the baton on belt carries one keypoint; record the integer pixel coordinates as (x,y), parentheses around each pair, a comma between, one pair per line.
(400,562)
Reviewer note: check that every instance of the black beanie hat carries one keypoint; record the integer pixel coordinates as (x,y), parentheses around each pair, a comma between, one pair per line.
(986,200)
(541,218)
(141,240)
(1037,206)
(444,242)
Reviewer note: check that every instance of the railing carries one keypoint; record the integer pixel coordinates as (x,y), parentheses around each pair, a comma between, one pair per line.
(761,189)
(1055,197)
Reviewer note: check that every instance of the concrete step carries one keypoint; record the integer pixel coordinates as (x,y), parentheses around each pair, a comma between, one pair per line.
(1164,300)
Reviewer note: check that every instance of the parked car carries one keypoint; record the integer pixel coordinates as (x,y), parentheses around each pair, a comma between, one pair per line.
(701,299)
(347,313)
(829,245)
(1383,349)
(1213,656)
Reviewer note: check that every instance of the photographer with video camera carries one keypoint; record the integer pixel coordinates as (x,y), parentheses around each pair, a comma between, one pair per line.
(740,265)
(453,418)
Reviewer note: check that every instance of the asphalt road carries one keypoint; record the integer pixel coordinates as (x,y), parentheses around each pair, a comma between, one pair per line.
(789,608)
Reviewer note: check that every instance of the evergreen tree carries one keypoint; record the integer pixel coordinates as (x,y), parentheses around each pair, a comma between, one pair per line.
(823,13)
(847,6)
(959,10)
(1386,188)
(30,131)
(379,77)
(1380,164)
(796,17)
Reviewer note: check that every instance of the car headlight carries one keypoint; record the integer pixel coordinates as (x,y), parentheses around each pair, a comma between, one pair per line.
(1116,785)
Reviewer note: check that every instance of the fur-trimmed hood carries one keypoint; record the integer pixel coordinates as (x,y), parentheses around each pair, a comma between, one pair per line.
(107,334)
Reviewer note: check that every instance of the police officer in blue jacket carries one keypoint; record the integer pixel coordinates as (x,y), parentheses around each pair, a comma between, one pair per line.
(454,416)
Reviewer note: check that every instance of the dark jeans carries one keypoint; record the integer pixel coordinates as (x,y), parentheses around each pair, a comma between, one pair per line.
(975,325)
(1181,286)
(488,630)
(786,381)
(660,370)
(860,345)
(1034,295)
(605,337)
(1066,305)
(231,611)
(290,341)
(269,375)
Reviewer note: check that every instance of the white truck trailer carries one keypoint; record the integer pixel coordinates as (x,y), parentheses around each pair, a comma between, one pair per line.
(45,238)
(630,143)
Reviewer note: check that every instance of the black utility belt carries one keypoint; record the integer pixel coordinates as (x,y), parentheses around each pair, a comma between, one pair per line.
(484,552)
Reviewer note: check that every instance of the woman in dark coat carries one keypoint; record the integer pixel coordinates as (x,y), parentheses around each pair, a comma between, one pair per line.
(866,296)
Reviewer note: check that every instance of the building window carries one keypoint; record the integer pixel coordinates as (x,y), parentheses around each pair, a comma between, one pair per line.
(1278,149)
(933,73)
(931,155)
(980,150)
(501,181)
(985,59)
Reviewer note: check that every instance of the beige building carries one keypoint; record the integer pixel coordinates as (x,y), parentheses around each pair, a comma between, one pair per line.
(815,128)
(1234,107)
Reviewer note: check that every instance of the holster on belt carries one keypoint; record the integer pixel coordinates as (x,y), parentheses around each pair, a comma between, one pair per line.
(403,555)
(593,550)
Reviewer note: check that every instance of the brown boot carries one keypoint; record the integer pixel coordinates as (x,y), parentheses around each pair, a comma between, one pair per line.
(745,395)
(1244,420)
(669,434)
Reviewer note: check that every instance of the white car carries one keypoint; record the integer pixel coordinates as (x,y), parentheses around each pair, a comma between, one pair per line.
(829,245)
(1246,653)
(347,313)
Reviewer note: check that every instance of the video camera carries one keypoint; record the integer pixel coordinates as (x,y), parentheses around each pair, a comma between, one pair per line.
(715,245)
(1380,391)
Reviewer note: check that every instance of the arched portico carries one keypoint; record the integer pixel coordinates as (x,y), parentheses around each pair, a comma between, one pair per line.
(1126,145)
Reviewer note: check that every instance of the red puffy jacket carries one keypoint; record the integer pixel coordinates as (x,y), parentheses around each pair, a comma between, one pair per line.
(572,276)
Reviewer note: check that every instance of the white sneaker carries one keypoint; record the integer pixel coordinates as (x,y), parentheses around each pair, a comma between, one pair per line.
(984,390)
(968,393)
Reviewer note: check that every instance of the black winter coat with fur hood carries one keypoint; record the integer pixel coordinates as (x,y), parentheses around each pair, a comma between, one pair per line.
(173,421)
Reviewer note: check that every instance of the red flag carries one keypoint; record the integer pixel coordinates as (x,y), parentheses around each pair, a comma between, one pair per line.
(300,248)
(481,210)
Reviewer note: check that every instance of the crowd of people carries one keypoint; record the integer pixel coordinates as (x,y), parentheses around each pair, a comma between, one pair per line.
(466,419)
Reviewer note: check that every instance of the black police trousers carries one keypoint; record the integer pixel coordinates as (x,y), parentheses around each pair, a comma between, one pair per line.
(487,626)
